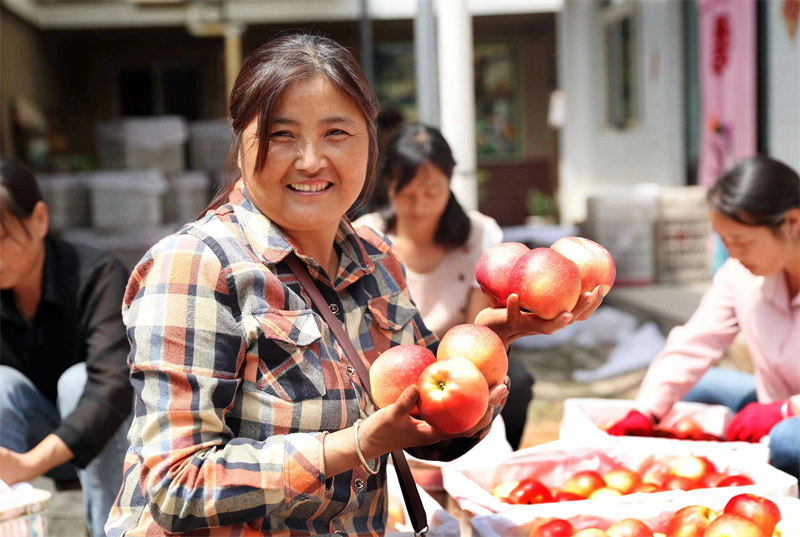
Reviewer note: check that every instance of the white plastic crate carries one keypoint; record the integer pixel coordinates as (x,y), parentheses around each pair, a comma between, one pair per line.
(209,142)
(67,199)
(187,195)
(623,221)
(142,143)
(682,235)
(24,512)
(126,198)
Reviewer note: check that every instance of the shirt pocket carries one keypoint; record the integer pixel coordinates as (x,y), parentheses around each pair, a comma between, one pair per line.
(289,365)
(390,320)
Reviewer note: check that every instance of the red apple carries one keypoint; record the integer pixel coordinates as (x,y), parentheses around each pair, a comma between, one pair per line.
(453,395)
(479,344)
(685,428)
(731,525)
(547,282)
(493,268)
(529,492)
(692,467)
(737,480)
(678,482)
(594,262)
(763,512)
(584,482)
(557,527)
(629,527)
(564,496)
(646,487)
(689,521)
(395,370)
(622,479)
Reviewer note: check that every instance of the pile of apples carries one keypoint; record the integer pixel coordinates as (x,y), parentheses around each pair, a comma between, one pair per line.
(685,428)
(548,281)
(745,515)
(680,472)
(453,385)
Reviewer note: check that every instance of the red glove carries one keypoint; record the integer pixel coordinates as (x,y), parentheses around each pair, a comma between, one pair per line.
(633,424)
(756,419)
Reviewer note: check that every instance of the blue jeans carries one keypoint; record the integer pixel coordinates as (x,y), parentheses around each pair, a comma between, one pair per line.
(28,416)
(735,389)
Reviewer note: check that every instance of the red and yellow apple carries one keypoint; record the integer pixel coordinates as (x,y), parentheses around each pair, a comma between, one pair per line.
(629,527)
(479,344)
(453,395)
(622,479)
(763,512)
(584,482)
(732,525)
(530,491)
(737,480)
(395,370)
(689,521)
(594,262)
(556,527)
(546,282)
(493,268)
(693,467)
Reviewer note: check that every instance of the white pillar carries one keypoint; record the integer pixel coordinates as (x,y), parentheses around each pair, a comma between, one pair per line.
(457,96)
(425,64)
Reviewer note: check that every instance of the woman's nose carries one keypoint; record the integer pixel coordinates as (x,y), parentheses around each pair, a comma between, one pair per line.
(309,159)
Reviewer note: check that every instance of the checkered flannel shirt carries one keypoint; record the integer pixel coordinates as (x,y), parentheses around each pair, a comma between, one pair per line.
(237,379)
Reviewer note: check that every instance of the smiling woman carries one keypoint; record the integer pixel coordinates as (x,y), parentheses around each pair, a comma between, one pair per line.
(248,416)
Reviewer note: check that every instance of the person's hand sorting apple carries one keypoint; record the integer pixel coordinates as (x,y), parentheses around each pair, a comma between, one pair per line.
(541,290)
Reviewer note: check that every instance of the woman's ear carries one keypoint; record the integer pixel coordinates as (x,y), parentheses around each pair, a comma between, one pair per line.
(793,221)
(39,222)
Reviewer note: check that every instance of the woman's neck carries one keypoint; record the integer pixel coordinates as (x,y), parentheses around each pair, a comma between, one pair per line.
(318,247)
(28,292)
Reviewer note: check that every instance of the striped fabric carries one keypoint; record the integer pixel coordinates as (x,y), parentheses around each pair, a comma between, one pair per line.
(237,380)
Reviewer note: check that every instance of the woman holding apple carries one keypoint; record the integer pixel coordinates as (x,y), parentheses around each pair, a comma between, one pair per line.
(755,209)
(65,397)
(440,243)
(248,417)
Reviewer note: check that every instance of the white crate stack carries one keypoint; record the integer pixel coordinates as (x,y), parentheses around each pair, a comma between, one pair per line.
(126,198)
(67,199)
(682,235)
(187,195)
(623,221)
(209,142)
(142,143)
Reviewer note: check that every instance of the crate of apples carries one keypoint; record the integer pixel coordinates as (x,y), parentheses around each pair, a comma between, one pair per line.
(560,473)
(734,515)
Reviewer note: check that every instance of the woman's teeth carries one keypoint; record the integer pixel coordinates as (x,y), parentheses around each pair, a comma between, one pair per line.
(304,187)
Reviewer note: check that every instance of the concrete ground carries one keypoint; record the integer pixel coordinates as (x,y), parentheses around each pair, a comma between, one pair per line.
(667,305)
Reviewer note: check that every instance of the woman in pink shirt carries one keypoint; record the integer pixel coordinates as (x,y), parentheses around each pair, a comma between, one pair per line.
(755,209)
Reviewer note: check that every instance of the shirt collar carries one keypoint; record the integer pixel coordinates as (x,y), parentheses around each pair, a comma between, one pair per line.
(269,242)
(776,291)
(8,309)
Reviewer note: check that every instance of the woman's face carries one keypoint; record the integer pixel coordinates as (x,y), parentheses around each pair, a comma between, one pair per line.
(756,247)
(421,203)
(317,160)
(19,251)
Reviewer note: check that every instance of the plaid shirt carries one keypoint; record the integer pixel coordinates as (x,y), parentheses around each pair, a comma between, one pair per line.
(237,379)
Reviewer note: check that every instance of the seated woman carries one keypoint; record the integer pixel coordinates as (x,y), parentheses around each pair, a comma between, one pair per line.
(440,243)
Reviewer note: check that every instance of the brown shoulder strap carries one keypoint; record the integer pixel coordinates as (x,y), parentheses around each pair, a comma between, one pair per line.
(416,510)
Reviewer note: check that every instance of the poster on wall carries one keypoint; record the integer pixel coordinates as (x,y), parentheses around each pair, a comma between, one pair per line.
(727,85)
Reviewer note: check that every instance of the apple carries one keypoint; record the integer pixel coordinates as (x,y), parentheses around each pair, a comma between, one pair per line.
(584,482)
(622,479)
(646,487)
(395,370)
(479,344)
(629,527)
(689,521)
(453,395)
(546,282)
(693,467)
(492,270)
(604,492)
(761,511)
(731,525)
(529,492)
(684,428)
(594,262)
(503,489)
(564,496)
(737,480)
(557,527)
(678,482)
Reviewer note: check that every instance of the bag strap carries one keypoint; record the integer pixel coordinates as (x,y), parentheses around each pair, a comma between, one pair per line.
(416,510)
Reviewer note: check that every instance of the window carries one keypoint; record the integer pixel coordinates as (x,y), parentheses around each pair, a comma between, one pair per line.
(619,32)
(159,91)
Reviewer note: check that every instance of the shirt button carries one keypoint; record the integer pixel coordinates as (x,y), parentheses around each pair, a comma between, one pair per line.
(349,369)
(359,483)
(334,309)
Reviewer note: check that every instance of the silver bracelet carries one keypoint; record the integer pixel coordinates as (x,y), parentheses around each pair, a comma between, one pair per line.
(369,470)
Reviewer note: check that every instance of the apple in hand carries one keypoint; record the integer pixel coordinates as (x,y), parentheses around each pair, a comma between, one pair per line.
(492,270)
(395,370)
(594,262)
(731,525)
(763,512)
(689,521)
(557,527)
(453,395)
(629,527)
(478,344)
(546,282)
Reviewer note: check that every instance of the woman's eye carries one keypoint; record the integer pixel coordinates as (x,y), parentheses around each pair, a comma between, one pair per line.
(337,132)
(280,134)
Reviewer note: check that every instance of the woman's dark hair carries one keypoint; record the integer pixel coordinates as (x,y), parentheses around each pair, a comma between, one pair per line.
(263,79)
(756,191)
(411,146)
(19,192)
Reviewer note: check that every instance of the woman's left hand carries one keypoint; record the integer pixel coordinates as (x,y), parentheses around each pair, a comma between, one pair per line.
(512,322)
